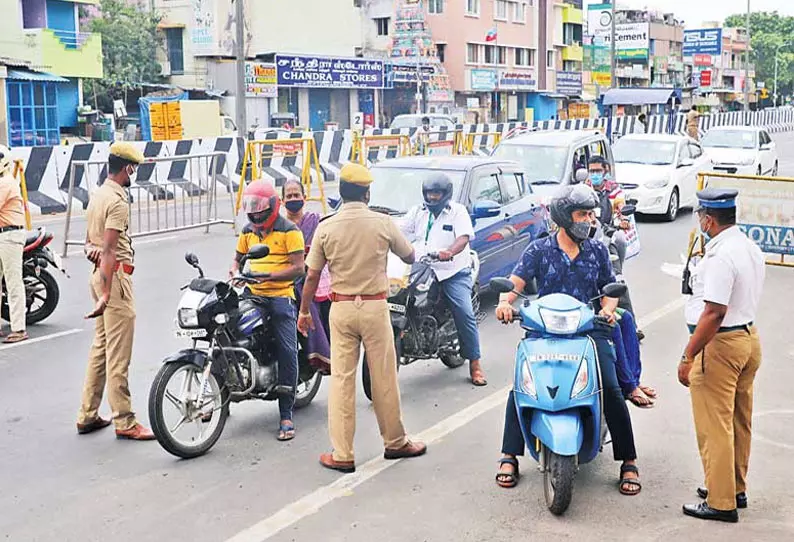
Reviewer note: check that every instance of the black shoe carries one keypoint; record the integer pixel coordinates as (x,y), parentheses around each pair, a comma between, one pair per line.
(640,335)
(741,498)
(704,511)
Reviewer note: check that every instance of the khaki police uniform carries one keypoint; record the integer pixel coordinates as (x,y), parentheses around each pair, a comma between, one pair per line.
(111,352)
(355,243)
(692,121)
(731,274)
(12,244)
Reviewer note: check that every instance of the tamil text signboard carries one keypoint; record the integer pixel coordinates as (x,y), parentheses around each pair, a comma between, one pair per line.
(321,72)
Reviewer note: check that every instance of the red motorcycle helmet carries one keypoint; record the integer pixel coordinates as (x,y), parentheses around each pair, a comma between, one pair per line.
(261,203)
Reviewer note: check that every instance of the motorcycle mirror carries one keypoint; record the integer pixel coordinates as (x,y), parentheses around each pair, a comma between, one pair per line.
(191,259)
(580,176)
(628,210)
(258,251)
(501,285)
(614,290)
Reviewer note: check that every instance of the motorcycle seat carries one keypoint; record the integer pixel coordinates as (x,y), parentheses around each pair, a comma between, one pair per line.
(32,237)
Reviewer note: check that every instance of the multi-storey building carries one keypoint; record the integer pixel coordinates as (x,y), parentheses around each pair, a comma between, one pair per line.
(45,57)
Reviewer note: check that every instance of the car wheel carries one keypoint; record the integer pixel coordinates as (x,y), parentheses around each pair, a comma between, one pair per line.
(672,206)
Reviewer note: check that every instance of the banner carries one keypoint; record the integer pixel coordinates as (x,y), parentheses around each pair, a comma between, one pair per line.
(204,27)
(764,211)
(632,40)
(705,41)
(569,83)
(515,80)
(483,80)
(320,72)
(260,80)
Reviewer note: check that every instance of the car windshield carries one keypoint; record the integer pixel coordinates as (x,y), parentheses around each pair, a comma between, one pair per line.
(396,190)
(544,165)
(644,151)
(730,139)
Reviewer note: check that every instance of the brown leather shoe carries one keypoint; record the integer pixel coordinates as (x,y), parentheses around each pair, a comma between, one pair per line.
(328,461)
(411,449)
(137,432)
(96,425)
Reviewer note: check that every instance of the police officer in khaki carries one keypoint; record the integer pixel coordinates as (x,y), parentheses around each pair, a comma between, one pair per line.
(108,247)
(723,354)
(355,243)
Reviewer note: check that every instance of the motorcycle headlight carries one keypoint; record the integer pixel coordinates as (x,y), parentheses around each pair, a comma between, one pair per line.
(564,323)
(658,183)
(582,377)
(188,317)
(527,382)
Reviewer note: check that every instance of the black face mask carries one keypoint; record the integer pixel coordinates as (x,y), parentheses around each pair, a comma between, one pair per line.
(581,231)
(261,217)
(295,205)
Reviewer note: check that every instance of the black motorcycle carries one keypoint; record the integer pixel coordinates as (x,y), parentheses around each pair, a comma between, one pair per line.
(41,288)
(236,362)
(421,320)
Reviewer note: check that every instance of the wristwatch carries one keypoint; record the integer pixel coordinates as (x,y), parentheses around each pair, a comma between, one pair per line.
(685,360)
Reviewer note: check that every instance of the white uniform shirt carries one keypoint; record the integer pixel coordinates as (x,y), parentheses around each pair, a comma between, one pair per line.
(731,273)
(453,222)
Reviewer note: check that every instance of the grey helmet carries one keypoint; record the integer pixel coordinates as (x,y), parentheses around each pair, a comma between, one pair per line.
(572,198)
(437,182)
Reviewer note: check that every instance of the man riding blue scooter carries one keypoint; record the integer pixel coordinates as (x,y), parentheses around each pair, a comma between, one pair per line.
(571,263)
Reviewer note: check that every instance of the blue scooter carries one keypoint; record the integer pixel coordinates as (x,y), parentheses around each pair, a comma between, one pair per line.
(557,387)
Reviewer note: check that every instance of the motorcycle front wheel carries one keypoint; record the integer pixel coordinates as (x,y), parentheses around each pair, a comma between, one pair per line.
(41,295)
(366,379)
(558,481)
(187,421)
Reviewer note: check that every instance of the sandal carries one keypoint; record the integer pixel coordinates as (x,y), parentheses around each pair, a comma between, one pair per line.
(508,479)
(286,431)
(16,336)
(477,377)
(649,391)
(631,482)
(639,400)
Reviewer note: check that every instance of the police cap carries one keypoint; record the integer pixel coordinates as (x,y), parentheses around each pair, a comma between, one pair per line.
(717,198)
(355,174)
(126,151)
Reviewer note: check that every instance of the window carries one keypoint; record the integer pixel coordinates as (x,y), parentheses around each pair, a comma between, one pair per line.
(501,10)
(473,53)
(501,58)
(383,26)
(512,181)
(522,57)
(486,186)
(32,114)
(695,151)
(531,56)
(597,149)
(441,49)
(176,57)
(435,6)
(490,54)
(473,7)
(550,65)
(519,12)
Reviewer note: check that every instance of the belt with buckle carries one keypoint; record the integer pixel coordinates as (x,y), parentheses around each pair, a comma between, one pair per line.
(4,229)
(727,329)
(344,297)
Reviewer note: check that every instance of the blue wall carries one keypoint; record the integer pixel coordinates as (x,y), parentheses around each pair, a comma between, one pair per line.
(68,100)
(60,18)
(544,106)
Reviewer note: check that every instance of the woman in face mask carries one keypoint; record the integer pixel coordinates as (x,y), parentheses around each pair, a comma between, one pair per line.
(318,340)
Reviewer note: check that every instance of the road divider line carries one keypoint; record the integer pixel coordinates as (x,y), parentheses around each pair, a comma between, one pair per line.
(342,487)
(134,244)
(41,339)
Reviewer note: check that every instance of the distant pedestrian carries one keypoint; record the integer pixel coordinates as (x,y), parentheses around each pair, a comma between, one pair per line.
(692,124)
(12,244)
(642,124)
(723,354)
(109,248)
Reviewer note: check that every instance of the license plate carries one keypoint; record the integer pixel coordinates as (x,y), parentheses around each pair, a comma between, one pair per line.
(190,333)
(396,308)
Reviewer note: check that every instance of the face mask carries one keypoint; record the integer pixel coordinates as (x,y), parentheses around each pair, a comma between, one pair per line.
(704,233)
(581,231)
(597,179)
(295,205)
(259,218)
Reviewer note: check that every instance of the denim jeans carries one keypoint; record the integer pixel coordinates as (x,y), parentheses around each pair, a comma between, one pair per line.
(627,348)
(615,410)
(457,291)
(284,324)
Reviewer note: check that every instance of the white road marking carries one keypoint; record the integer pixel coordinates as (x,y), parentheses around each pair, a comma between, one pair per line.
(343,486)
(41,339)
(134,244)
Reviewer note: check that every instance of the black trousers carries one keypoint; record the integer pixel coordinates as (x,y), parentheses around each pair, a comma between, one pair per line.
(615,410)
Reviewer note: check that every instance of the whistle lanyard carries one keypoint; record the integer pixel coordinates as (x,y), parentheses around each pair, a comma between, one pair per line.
(430,221)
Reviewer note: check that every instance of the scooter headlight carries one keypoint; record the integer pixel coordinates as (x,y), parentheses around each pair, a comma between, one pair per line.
(527,382)
(582,378)
(188,317)
(564,323)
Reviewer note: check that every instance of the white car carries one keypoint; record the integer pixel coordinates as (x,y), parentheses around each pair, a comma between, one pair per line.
(659,171)
(743,150)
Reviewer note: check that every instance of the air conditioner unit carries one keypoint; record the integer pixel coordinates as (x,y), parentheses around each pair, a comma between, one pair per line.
(165,68)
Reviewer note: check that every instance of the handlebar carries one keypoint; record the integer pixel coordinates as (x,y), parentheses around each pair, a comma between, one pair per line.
(250,278)
(430,257)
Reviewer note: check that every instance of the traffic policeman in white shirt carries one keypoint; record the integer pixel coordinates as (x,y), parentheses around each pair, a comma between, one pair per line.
(443,226)
(723,354)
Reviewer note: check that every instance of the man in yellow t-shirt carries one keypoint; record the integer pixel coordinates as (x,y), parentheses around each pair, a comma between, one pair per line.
(276,293)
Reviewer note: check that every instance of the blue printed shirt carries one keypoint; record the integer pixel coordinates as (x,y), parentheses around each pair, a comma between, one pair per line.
(555,273)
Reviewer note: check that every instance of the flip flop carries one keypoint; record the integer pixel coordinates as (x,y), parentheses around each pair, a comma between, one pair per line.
(508,479)
(649,391)
(286,432)
(16,336)
(630,481)
(639,400)
(477,377)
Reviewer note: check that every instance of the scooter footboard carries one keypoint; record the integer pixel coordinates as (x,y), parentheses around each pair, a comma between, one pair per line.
(561,432)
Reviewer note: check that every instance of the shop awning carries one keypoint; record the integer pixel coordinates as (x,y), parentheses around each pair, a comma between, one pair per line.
(640,96)
(27,75)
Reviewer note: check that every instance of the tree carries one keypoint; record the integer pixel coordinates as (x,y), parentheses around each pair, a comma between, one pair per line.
(129,48)
(768,31)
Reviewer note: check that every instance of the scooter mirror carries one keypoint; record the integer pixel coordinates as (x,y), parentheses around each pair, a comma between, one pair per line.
(501,285)
(614,290)
(191,259)
(258,251)
(628,210)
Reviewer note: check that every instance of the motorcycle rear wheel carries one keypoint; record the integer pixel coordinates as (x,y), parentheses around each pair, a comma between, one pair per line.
(307,389)
(366,379)
(558,481)
(209,419)
(46,285)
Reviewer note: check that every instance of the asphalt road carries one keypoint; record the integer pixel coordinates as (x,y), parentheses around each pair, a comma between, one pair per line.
(56,485)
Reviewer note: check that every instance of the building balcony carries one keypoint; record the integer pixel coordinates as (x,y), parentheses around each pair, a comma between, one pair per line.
(573,52)
(68,54)
(572,15)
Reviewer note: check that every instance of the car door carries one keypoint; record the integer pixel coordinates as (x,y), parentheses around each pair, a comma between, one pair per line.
(701,164)
(493,236)
(767,153)
(527,217)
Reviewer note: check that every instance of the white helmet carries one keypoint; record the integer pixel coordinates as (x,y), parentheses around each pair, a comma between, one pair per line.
(5,161)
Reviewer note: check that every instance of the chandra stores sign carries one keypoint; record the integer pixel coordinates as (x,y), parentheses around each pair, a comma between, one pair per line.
(515,80)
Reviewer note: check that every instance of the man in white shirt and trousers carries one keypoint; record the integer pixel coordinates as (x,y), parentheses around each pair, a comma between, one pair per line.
(723,354)
(443,226)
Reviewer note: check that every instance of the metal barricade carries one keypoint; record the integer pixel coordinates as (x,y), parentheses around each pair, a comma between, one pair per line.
(19,175)
(765,206)
(158,204)
(400,144)
(439,143)
(468,143)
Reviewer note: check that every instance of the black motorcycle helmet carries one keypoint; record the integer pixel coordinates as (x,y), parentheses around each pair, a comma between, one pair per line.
(437,182)
(572,198)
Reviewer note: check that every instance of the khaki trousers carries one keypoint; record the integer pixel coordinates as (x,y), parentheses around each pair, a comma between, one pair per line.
(12,244)
(722,403)
(353,323)
(109,360)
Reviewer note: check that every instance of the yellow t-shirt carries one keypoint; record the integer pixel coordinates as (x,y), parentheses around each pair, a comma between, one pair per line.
(284,239)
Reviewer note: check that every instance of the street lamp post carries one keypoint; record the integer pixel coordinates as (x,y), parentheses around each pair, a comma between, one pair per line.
(612,48)
(777,53)
(747,63)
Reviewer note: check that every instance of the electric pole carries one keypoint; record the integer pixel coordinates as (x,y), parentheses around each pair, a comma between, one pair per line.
(747,64)
(613,58)
(239,47)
